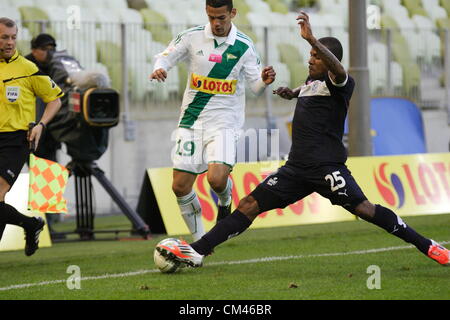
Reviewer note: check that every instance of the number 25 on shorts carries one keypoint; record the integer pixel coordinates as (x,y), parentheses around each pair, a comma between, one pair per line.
(336,181)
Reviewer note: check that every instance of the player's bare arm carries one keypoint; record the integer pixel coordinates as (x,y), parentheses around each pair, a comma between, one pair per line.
(287,93)
(338,73)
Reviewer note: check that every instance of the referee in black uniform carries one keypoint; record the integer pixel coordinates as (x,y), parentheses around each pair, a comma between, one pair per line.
(20,83)
(317,158)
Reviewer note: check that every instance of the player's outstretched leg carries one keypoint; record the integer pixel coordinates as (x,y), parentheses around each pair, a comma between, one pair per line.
(392,223)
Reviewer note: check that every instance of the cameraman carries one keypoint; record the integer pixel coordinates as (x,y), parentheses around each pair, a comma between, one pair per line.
(44,55)
(42,49)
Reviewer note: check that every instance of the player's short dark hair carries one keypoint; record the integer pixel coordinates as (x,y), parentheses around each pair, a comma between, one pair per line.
(220,3)
(8,22)
(334,45)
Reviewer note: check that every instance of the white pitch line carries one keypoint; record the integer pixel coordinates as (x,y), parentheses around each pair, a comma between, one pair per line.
(257,260)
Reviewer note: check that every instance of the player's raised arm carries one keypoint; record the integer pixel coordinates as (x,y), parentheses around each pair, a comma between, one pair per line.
(334,66)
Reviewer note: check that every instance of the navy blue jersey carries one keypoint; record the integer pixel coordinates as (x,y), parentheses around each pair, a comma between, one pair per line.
(318,124)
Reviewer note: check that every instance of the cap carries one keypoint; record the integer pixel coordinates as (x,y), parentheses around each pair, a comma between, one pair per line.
(42,40)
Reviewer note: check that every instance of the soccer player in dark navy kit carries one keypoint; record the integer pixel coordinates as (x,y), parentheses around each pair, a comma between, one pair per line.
(316,161)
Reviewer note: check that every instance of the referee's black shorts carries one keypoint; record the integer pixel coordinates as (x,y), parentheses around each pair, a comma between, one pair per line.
(14,152)
(291,184)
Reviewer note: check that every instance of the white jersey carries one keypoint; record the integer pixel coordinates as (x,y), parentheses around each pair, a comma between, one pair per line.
(215,91)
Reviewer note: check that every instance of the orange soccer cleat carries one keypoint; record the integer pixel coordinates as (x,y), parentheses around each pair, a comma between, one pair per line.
(439,253)
(182,252)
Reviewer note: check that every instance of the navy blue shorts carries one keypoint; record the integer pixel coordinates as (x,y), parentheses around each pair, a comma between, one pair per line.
(14,152)
(291,184)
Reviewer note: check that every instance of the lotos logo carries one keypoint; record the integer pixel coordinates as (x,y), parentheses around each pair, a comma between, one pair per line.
(196,82)
(388,185)
(212,85)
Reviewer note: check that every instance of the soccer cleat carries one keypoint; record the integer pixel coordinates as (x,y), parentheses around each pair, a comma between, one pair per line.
(32,236)
(181,252)
(223,212)
(439,253)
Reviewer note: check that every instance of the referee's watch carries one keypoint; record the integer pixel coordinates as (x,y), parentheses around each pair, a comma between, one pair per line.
(43,125)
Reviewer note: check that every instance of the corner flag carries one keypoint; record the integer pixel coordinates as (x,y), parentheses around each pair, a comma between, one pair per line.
(48,181)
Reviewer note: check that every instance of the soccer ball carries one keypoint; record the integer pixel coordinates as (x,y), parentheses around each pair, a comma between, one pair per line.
(162,263)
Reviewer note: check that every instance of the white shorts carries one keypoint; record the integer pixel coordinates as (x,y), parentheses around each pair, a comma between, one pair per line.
(195,149)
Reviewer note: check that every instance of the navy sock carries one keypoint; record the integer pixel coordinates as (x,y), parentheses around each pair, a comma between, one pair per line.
(229,227)
(11,216)
(393,224)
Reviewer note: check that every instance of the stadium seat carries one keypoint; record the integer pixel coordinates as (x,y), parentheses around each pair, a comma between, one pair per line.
(10,12)
(182,78)
(378,59)
(258,6)
(434,10)
(140,85)
(443,23)
(278,6)
(274,54)
(415,7)
(109,54)
(446,5)
(156,23)
(403,55)
(283,78)
(431,42)
(298,74)
(130,16)
(289,53)
(32,16)
(387,3)
(195,18)
(335,7)
(22,3)
(84,51)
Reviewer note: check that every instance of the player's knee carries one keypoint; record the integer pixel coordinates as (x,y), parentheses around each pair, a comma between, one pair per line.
(218,182)
(181,189)
(4,187)
(365,210)
(249,207)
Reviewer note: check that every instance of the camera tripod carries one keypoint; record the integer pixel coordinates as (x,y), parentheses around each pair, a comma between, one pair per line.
(85,213)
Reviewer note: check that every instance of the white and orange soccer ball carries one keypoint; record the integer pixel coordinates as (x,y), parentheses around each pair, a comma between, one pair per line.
(164,264)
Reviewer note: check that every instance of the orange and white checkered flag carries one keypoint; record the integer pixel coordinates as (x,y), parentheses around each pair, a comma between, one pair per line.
(48,182)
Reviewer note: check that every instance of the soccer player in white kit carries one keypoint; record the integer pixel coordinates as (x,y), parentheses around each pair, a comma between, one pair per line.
(220,59)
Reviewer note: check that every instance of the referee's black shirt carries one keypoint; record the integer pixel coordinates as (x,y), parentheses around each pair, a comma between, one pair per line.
(318,124)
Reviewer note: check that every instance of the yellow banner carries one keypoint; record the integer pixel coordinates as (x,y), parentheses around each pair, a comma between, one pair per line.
(212,85)
(409,185)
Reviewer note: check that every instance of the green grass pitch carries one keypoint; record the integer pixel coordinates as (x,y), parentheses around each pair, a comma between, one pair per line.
(311,262)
